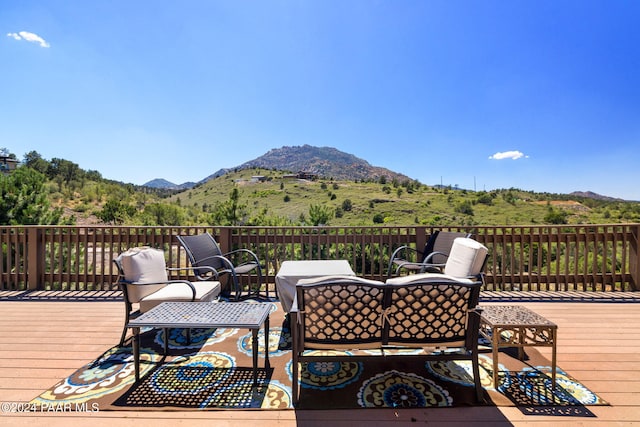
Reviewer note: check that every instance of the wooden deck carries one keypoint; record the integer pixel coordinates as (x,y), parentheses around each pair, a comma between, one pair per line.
(45,337)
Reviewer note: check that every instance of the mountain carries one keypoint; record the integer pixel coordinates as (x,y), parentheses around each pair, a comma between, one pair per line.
(166,185)
(596,196)
(218,173)
(326,162)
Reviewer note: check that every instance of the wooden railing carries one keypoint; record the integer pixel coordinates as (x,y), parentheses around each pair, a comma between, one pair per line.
(599,258)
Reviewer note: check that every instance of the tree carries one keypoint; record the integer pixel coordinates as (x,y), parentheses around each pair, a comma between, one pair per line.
(65,170)
(24,199)
(164,214)
(230,212)
(116,212)
(234,211)
(319,214)
(35,161)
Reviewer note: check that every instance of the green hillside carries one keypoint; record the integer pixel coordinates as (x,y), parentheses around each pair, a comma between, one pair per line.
(284,199)
(59,191)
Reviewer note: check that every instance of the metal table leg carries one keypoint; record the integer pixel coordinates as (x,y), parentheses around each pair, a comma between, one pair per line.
(495,347)
(267,365)
(135,341)
(254,341)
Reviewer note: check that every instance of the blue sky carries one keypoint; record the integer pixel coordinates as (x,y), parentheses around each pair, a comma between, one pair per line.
(538,95)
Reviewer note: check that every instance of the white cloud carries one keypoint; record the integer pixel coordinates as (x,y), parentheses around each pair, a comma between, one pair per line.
(30,37)
(514,155)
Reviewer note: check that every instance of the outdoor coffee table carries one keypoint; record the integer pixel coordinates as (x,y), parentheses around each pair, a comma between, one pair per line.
(205,315)
(516,326)
(292,271)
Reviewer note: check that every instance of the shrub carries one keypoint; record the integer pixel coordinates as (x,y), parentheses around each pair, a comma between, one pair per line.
(554,216)
(464,208)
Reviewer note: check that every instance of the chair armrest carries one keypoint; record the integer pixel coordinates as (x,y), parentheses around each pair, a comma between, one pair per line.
(478,279)
(228,265)
(401,249)
(203,260)
(212,270)
(420,264)
(473,328)
(396,254)
(249,258)
(294,306)
(249,253)
(186,282)
(296,327)
(427,260)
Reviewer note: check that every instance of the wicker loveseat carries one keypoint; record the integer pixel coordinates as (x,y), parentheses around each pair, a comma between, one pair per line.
(428,310)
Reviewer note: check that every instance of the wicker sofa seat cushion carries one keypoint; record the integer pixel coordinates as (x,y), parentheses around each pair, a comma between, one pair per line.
(428,277)
(322,280)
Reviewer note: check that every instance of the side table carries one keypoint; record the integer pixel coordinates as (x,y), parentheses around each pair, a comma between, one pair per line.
(516,326)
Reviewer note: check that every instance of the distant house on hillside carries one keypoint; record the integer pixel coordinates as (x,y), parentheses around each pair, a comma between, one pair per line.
(7,164)
(302,175)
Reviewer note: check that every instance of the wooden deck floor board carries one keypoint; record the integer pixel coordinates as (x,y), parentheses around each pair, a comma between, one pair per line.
(43,341)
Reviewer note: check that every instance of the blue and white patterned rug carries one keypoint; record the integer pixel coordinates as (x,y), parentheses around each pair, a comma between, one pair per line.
(213,370)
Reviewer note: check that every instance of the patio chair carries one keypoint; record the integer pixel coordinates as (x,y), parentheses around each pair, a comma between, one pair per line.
(144,282)
(207,259)
(431,259)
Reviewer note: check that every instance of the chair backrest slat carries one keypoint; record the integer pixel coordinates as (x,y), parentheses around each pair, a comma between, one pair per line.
(202,250)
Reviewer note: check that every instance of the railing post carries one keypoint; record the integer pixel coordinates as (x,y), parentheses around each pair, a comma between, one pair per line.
(224,239)
(35,258)
(634,256)
(421,237)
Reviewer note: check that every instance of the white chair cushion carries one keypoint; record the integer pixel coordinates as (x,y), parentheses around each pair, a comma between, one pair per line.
(322,280)
(466,258)
(205,291)
(143,265)
(426,278)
